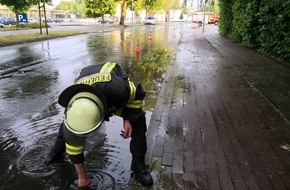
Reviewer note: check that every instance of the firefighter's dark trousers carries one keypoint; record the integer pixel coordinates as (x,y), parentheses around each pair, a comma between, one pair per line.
(138,144)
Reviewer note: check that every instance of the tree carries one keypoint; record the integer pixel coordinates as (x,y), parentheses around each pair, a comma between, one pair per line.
(98,8)
(153,5)
(20,6)
(81,9)
(169,5)
(78,8)
(210,6)
(136,6)
(123,12)
(66,5)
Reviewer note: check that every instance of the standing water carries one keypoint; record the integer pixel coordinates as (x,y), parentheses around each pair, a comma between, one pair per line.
(31,78)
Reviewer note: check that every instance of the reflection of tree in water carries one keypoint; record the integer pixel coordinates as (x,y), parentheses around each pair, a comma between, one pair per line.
(100,49)
(25,55)
(32,85)
(150,73)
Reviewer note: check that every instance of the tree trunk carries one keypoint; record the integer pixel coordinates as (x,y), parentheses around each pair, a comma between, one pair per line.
(17,18)
(123,12)
(167,16)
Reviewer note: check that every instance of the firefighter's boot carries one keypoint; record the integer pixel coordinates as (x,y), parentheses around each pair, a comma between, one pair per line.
(141,174)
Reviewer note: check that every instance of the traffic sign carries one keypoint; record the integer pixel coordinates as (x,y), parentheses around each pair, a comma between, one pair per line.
(22,17)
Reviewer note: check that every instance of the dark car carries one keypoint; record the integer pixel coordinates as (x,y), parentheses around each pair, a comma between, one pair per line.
(49,20)
(8,21)
(58,20)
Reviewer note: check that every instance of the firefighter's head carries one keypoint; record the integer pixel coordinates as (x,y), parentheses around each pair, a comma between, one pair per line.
(85,109)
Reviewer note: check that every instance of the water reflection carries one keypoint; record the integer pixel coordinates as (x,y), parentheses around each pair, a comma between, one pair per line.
(30,113)
(24,55)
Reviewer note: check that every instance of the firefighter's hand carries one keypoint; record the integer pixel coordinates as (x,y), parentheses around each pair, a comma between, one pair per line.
(83,179)
(83,182)
(126,133)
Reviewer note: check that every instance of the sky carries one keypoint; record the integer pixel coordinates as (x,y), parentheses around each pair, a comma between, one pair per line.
(55,2)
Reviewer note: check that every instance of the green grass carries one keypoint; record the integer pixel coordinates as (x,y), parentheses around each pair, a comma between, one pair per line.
(23,38)
(23,27)
(16,39)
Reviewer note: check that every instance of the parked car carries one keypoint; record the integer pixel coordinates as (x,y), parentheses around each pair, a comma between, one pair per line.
(2,25)
(47,20)
(150,20)
(58,20)
(8,21)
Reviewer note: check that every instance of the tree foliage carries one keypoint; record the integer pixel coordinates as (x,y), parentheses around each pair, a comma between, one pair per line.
(169,5)
(209,6)
(77,7)
(17,6)
(262,24)
(97,8)
(226,17)
(153,5)
(67,5)
(20,6)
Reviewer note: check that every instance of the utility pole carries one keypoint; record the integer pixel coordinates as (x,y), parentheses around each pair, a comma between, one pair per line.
(132,11)
(203,22)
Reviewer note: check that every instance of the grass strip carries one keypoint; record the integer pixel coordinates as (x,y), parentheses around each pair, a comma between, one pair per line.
(17,39)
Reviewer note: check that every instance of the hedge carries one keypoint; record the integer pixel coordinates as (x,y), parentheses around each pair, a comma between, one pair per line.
(261,24)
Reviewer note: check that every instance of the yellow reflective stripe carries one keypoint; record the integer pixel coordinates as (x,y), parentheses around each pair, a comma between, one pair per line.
(92,79)
(107,67)
(74,150)
(132,91)
(135,104)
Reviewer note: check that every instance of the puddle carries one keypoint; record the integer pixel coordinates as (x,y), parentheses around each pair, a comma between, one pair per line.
(30,113)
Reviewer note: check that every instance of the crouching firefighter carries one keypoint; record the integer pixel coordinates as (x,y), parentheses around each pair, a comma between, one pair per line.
(100,91)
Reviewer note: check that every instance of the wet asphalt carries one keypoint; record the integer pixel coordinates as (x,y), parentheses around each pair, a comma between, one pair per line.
(222,116)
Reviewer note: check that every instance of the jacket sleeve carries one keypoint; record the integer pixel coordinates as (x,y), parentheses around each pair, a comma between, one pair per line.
(76,158)
(74,146)
(133,109)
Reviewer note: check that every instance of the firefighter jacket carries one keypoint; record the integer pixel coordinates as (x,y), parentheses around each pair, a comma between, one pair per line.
(123,97)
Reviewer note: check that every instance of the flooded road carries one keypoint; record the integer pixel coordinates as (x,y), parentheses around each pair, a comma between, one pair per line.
(33,75)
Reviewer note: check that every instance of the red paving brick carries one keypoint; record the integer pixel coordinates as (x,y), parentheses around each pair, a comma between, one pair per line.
(211,128)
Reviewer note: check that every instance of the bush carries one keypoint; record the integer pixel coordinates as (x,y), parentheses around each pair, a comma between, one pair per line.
(32,25)
(226,17)
(261,24)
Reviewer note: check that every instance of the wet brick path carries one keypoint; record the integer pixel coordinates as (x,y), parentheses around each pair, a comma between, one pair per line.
(211,129)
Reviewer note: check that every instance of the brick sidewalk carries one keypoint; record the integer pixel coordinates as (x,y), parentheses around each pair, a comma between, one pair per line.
(211,129)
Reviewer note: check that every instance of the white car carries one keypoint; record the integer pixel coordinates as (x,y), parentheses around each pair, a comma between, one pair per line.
(2,25)
(150,20)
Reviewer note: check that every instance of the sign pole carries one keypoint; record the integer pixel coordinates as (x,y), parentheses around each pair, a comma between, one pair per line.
(204,16)
(39,12)
(45,19)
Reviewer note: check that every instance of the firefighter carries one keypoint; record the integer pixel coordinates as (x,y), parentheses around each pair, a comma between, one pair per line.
(100,91)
